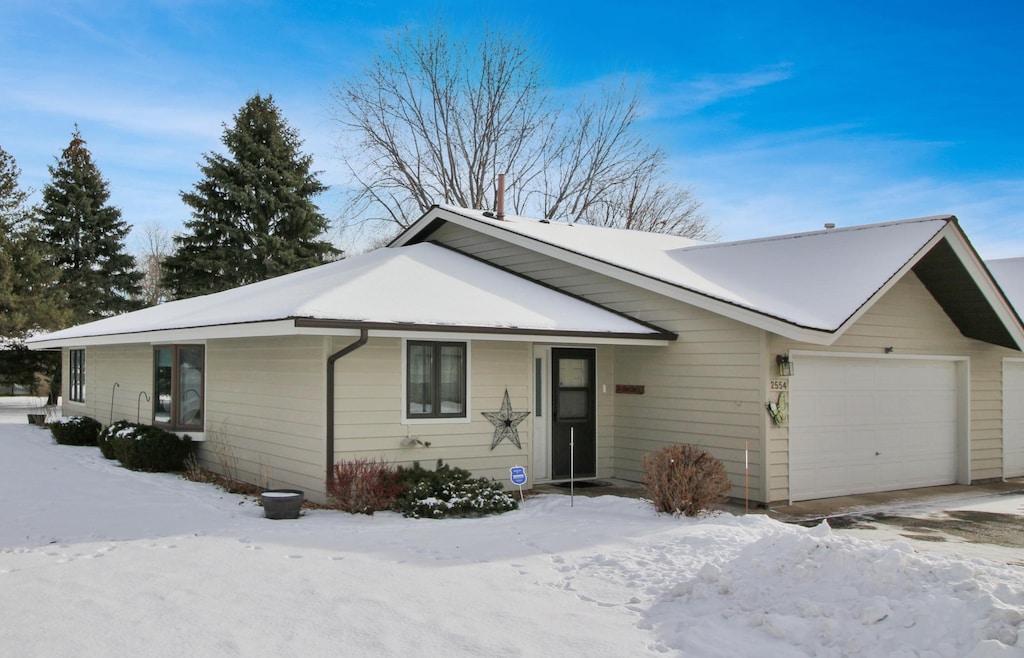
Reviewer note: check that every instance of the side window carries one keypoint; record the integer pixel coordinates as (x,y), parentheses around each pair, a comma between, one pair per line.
(76,386)
(435,380)
(178,378)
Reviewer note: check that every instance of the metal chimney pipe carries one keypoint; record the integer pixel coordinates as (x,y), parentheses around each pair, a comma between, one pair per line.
(499,204)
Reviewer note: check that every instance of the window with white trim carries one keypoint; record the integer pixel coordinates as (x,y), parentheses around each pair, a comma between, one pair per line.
(435,385)
(178,379)
(76,376)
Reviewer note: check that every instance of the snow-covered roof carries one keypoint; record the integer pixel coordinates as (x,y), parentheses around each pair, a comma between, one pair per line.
(1009,274)
(813,280)
(808,286)
(424,287)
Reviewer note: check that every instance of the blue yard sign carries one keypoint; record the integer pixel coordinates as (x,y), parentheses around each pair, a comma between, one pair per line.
(518,476)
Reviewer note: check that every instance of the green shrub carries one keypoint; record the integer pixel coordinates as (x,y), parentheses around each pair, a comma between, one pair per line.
(448,491)
(363,486)
(105,440)
(149,448)
(684,479)
(75,431)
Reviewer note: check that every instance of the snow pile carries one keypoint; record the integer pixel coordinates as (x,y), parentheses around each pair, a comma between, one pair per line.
(96,560)
(826,595)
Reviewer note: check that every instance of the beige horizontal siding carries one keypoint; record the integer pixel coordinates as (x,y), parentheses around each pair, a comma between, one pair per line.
(265,411)
(368,418)
(128,366)
(705,388)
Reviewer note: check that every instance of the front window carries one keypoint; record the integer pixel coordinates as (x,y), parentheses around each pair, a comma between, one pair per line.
(436,380)
(77,378)
(178,386)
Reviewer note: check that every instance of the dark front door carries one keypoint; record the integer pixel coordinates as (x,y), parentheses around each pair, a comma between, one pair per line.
(573,414)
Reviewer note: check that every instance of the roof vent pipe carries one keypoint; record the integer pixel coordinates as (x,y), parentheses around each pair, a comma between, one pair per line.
(499,202)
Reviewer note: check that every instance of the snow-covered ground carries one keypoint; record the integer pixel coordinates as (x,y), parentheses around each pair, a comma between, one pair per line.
(96,560)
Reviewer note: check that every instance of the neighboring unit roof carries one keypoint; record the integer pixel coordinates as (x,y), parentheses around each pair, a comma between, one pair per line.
(425,286)
(816,282)
(1009,274)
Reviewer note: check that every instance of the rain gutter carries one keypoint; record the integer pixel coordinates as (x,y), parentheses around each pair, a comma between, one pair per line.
(331,360)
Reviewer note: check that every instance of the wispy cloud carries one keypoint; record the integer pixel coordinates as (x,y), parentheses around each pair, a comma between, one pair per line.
(679,98)
(796,181)
(138,109)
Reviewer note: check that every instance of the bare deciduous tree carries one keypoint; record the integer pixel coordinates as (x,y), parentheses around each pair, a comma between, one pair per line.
(433,121)
(156,246)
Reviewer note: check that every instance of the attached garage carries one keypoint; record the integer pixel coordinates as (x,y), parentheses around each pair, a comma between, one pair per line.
(865,424)
(1013,418)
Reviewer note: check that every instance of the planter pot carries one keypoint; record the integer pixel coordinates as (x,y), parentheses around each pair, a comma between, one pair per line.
(37,419)
(282,503)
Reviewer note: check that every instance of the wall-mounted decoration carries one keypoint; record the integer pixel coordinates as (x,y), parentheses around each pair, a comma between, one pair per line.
(631,389)
(506,423)
(779,411)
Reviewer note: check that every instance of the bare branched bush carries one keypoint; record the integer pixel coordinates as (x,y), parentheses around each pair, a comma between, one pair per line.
(217,443)
(684,479)
(364,486)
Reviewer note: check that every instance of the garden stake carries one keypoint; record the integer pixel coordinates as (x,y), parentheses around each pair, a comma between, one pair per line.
(572,467)
(746,477)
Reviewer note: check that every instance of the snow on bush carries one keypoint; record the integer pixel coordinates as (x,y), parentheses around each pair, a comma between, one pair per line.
(449,491)
(75,430)
(105,441)
(144,447)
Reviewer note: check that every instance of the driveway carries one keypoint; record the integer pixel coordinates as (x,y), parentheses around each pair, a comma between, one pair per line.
(984,520)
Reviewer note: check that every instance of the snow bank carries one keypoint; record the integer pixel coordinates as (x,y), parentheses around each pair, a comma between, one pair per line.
(97,561)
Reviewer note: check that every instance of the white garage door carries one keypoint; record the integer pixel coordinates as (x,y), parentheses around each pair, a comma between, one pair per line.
(859,425)
(1013,419)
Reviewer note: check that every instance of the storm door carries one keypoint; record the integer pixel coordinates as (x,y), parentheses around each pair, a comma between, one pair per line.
(573,414)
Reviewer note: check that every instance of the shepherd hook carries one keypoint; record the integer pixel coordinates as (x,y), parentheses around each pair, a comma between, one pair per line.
(112,402)
(138,407)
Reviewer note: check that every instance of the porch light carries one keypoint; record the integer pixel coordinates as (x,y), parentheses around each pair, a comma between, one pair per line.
(785,365)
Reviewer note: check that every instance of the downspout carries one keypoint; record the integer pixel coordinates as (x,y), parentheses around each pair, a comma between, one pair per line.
(348,349)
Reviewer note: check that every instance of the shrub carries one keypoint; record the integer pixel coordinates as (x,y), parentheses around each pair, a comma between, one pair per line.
(363,486)
(75,431)
(106,438)
(149,448)
(684,479)
(449,491)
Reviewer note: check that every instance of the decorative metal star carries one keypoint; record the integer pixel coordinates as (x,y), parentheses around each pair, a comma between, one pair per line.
(506,423)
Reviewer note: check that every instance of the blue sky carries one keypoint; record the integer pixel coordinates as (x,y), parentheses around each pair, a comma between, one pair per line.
(782,116)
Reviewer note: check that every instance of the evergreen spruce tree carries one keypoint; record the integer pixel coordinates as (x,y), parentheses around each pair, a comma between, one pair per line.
(30,300)
(253,217)
(86,236)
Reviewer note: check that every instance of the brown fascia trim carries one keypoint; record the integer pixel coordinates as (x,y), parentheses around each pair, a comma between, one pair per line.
(315,323)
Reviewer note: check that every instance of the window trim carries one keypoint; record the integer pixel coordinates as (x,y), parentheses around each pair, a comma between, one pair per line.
(176,350)
(425,419)
(76,375)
